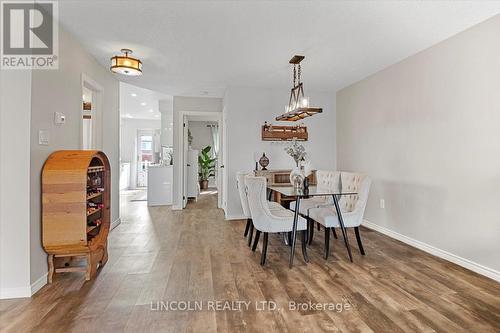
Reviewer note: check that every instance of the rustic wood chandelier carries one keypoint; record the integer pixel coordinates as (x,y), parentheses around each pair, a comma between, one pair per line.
(298,105)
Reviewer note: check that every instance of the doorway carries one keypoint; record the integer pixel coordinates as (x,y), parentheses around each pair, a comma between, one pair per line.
(201,138)
(90,121)
(144,156)
(87,119)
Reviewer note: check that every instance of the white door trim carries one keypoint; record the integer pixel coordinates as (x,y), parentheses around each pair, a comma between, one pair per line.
(181,158)
(97,126)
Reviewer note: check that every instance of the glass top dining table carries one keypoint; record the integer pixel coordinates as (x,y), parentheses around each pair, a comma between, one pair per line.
(291,191)
(301,194)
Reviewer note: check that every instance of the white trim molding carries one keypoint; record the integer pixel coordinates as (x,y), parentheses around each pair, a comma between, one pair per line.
(475,267)
(38,284)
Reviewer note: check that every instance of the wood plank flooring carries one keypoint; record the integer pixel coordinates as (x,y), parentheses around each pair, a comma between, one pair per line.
(159,255)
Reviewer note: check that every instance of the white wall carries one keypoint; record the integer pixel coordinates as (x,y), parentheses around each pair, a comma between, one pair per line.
(245,111)
(167,119)
(427,131)
(191,104)
(128,142)
(15,109)
(60,90)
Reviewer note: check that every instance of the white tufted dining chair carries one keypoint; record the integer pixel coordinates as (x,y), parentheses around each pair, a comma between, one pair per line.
(327,180)
(268,220)
(352,208)
(240,184)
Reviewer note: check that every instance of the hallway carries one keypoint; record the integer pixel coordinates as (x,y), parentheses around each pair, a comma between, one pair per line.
(206,200)
(160,255)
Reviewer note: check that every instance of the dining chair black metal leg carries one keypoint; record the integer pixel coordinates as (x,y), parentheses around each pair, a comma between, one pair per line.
(318,226)
(247,227)
(264,249)
(251,235)
(342,226)
(294,230)
(311,230)
(327,242)
(289,235)
(304,245)
(358,238)
(334,233)
(256,241)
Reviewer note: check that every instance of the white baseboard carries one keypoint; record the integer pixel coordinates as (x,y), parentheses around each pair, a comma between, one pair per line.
(116,223)
(235,217)
(475,267)
(38,284)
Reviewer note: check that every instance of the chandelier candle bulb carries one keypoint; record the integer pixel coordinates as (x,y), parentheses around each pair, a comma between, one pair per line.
(305,102)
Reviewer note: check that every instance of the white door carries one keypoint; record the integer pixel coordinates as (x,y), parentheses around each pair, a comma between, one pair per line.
(185,146)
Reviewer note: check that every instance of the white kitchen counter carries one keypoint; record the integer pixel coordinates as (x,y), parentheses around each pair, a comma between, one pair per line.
(160,178)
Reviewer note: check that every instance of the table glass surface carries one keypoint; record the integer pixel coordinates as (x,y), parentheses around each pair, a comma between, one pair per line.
(313,191)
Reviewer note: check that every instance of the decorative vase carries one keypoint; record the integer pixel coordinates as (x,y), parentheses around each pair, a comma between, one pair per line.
(297,178)
(203,184)
(264,161)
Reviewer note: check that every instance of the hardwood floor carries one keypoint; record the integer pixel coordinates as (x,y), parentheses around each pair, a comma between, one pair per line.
(158,255)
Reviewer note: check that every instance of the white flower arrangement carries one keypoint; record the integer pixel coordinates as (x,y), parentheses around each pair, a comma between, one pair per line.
(296,151)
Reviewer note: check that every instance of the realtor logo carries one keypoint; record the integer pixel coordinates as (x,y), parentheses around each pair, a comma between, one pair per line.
(29,35)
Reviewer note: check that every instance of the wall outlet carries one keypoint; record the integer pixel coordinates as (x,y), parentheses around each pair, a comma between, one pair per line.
(59,118)
(382,203)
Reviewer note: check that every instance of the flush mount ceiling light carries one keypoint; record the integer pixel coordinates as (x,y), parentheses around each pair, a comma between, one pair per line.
(125,64)
(298,105)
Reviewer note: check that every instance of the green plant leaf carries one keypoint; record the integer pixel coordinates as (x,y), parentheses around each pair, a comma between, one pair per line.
(206,164)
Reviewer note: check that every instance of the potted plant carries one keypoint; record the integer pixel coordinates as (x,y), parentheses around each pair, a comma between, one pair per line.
(207,167)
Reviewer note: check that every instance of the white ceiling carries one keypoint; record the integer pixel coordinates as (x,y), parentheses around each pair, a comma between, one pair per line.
(140,103)
(200,47)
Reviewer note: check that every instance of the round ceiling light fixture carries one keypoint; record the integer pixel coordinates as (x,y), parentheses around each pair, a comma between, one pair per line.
(125,64)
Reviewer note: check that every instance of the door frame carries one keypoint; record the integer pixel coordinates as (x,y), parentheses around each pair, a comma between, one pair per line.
(185,147)
(141,131)
(97,98)
(182,157)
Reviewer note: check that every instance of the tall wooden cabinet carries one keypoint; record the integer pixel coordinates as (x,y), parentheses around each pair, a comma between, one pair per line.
(76,211)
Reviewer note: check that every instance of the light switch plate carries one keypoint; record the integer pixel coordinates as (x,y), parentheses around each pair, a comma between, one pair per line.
(43,137)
